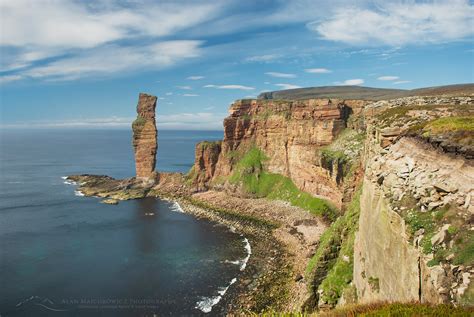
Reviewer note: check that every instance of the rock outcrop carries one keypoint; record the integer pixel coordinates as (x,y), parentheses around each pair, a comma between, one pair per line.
(205,161)
(145,138)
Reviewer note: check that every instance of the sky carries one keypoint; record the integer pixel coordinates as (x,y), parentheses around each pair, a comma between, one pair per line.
(82,64)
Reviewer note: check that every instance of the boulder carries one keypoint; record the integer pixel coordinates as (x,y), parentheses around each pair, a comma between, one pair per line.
(443,187)
(441,236)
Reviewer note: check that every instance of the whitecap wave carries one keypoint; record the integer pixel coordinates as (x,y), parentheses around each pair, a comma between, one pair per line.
(236,262)
(205,305)
(176,207)
(68,181)
(243,263)
(78,193)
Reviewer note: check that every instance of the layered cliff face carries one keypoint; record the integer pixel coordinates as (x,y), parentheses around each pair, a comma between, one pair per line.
(415,235)
(407,234)
(145,137)
(290,134)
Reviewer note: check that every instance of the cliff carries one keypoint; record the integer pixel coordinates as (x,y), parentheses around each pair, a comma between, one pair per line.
(416,207)
(145,137)
(292,136)
(406,234)
(370,201)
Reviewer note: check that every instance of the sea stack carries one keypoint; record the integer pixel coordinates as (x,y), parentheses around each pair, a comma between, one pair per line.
(145,138)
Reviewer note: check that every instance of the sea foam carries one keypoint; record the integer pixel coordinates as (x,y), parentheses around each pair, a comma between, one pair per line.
(68,181)
(243,264)
(176,207)
(205,305)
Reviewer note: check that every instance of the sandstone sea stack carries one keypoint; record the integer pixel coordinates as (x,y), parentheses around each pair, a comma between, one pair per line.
(145,137)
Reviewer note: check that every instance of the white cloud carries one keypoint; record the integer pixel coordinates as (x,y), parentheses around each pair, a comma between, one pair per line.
(399,23)
(388,78)
(287,86)
(239,87)
(280,75)
(186,121)
(9,78)
(263,58)
(190,95)
(402,82)
(318,70)
(113,59)
(81,38)
(350,82)
(75,24)
(195,77)
(184,87)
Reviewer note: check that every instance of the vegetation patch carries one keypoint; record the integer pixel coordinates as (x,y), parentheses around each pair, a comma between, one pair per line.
(209,144)
(450,124)
(342,154)
(331,267)
(374,283)
(138,124)
(431,222)
(249,172)
(400,116)
(400,309)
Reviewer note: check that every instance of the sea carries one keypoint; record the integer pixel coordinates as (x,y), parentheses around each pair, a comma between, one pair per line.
(63,254)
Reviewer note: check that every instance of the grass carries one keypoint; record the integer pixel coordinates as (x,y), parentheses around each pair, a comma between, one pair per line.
(400,310)
(343,152)
(450,124)
(431,222)
(374,283)
(209,144)
(331,267)
(249,172)
(401,115)
(138,124)
(463,247)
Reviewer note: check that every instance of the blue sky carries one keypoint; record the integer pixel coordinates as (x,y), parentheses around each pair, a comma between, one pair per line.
(82,64)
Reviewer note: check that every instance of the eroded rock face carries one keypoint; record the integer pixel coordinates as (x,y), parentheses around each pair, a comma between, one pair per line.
(145,137)
(405,179)
(290,134)
(205,161)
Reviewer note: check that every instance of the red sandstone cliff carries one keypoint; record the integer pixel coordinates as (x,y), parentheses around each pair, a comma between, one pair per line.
(290,133)
(145,137)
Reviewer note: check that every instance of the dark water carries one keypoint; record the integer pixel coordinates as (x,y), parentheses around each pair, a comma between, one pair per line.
(61,254)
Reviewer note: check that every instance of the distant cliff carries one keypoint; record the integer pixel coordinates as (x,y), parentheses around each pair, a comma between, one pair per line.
(365,93)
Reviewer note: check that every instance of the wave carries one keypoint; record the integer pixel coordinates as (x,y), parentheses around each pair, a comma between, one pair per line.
(205,305)
(68,181)
(78,193)
(243,264)
(176,207)
(236,262)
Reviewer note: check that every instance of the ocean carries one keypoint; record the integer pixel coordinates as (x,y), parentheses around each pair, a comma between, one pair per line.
(62,254)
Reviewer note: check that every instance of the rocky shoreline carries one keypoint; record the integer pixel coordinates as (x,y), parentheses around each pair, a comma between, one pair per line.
(282,238)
